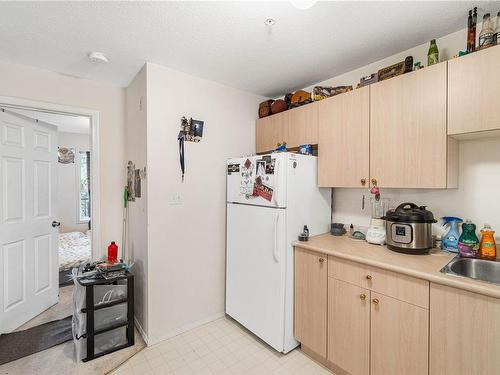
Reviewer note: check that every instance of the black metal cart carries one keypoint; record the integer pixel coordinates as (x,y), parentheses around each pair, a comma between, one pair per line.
(91,308)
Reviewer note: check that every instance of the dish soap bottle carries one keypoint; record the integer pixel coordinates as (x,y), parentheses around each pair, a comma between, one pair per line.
(450,239)
(487,246)
(468,243)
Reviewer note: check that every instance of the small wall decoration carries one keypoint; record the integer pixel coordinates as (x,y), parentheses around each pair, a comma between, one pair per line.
(131,181)
(66,155)
(191,131)
(137,182)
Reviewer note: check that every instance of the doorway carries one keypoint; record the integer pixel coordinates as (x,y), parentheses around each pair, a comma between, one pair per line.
(50,208)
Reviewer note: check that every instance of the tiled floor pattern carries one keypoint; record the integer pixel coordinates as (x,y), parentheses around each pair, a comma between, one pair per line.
(220,347)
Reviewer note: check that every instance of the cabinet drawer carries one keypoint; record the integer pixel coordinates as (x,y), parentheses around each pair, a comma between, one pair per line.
(393,284)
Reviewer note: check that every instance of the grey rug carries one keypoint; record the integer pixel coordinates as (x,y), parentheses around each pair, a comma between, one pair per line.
(21,344)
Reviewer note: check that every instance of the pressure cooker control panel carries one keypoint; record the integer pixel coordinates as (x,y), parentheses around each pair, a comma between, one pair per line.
(402,233)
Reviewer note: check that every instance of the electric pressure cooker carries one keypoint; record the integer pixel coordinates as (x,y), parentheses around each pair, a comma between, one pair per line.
(409,229)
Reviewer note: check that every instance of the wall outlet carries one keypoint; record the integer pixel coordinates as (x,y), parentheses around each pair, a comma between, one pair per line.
(175,199)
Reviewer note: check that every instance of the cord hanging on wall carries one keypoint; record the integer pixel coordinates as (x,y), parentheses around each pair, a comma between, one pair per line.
(191,131)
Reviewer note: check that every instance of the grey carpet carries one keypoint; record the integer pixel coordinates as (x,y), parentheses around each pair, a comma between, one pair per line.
(20,344)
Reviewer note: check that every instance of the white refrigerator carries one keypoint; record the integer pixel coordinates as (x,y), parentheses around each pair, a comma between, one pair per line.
(269,200)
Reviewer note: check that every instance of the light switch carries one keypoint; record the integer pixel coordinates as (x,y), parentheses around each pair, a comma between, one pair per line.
(175,199)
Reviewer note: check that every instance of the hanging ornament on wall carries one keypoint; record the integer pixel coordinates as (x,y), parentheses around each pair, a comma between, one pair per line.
(191,131)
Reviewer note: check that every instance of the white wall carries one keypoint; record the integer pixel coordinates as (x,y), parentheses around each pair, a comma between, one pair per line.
(479,171)
(68,190)
(186,259)
(138,218)
(40,85)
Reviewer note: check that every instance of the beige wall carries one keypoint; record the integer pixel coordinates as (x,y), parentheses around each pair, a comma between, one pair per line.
(67,183)
(138,214)
(40,85)
(186,259)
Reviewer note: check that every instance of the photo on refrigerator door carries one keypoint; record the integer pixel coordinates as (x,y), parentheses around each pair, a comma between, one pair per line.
(246,185)
(261,190)
(261,168)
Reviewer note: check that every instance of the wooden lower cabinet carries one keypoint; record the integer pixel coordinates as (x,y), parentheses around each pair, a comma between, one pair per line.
(465,332)
(349,327)
(311,278)
(399,338)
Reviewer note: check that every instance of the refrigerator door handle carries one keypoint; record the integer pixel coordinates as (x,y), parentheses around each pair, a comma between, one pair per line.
(276,255)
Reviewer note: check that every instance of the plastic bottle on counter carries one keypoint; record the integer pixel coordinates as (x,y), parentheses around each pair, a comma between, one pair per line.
(450,239)
(487,246)
(113,252)
(468,243)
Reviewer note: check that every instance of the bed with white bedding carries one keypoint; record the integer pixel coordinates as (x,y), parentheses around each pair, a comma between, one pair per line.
(74,248)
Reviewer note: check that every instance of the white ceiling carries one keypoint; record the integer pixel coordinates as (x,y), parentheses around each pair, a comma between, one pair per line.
(225,42)
(64,123)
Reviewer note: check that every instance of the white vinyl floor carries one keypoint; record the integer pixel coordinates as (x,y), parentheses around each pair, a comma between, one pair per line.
(219,347)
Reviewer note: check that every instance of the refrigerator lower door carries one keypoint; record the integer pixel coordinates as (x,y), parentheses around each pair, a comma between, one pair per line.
(255,275)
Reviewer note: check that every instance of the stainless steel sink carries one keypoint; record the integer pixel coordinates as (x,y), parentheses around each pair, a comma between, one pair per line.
(486,270)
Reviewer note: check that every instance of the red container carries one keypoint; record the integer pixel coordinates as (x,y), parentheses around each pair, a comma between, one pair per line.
(113,252)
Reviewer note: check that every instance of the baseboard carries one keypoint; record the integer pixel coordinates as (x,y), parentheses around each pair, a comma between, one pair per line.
(187,327)
(141,331)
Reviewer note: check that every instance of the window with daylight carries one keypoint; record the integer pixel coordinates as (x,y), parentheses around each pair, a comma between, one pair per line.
(84,182)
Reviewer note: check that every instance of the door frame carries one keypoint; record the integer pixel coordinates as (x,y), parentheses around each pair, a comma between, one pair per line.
(20,103)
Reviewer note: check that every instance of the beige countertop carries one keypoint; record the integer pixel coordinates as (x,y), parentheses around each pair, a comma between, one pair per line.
(425,267)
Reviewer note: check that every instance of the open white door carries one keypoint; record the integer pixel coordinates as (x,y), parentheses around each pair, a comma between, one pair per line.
(28,241)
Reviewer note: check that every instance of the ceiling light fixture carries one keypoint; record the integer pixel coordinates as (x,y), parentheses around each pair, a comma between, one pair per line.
(97,57)
(303,4)
(269,21)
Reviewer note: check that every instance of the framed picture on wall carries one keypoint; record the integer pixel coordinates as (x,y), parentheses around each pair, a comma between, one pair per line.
(66,155)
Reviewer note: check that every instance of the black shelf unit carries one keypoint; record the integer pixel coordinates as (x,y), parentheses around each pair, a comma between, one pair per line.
(90,308)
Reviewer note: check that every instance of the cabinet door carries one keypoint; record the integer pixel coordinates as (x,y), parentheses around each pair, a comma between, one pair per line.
(271,130)
(399,337)
(349,326)
(303,125)
(474,91)
(408,141)
(465,332)
(343,149)
(311,280)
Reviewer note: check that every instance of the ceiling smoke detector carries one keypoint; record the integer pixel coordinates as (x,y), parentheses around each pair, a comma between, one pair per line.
(303,4)
(97,57)
(269,21)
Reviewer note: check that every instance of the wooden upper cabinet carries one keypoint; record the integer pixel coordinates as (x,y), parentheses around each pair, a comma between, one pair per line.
(311,278)
(408,140)
(474,92)
(296,127)
(271,130)
(465,332)
(303,125)
(399,337)
(344,131)
(349,327)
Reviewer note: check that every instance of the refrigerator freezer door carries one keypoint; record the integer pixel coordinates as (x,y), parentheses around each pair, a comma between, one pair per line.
(258,180)
(255,275)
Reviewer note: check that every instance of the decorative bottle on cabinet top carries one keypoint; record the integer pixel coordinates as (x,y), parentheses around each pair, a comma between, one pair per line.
(433,54)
